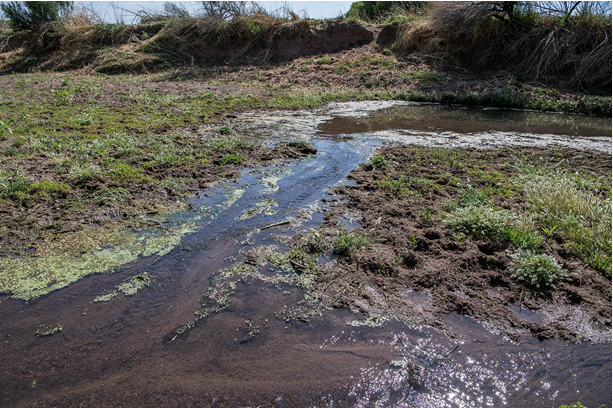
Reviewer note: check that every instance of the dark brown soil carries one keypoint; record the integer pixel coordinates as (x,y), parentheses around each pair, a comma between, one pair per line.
(420,272)
(28,223)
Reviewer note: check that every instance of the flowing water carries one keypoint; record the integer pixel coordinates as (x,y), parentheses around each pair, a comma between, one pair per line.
(198,337)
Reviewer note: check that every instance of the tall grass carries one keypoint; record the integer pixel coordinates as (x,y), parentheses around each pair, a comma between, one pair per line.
(520,38)
(581,215)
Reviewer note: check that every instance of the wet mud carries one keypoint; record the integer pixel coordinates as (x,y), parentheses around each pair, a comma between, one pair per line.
(225,318)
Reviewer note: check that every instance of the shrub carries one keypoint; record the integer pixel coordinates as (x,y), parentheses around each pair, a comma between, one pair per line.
(480,222)
(30,15)
(537,269)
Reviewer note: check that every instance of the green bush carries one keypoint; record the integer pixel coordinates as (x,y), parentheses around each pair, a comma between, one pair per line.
(30,15)
(537,269)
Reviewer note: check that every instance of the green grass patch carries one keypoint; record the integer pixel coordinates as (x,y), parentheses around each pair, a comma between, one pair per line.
(231,158)
(349,243)
(537,270)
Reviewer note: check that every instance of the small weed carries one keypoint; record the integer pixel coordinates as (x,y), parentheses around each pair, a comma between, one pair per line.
(225,130)
(426,214)
(414,242)
(537,269)
(349,243)
(378,162)
(231,158)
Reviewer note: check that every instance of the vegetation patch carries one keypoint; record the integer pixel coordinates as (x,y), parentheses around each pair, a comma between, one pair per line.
(475,221)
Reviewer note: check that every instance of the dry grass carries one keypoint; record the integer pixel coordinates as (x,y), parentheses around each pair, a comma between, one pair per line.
(533,45)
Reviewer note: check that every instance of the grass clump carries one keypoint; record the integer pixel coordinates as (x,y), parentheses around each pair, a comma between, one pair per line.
(349,243)
(537,269)
(89,173)
(111,195)
(231,158)
(12,183)
(581,216)
(523,237)
(480,222)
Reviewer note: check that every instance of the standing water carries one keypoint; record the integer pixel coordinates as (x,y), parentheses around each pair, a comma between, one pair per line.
(203,333)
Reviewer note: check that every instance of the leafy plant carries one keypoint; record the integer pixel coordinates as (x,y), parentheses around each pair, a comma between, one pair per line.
(348,243)
(225,130)
(426,214)
(30,15)
(231,158)
(537,269)
(480,222)
(378,162)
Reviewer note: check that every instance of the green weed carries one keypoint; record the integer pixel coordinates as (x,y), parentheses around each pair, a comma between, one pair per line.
(538,270)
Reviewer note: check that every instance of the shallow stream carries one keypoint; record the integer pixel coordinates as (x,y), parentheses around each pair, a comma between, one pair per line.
(256,338)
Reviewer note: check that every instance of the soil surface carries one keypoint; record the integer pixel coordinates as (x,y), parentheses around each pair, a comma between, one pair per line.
(420,271)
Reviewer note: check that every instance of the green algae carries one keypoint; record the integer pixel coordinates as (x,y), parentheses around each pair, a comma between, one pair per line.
(264,264)
(129,287)
(266,206)
(55,329)
(61,264)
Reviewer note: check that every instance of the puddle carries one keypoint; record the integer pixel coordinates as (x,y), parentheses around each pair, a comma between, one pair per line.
(253,337)
(526,314)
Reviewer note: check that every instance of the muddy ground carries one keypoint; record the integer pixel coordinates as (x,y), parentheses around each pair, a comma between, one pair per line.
(240,298)
(417,270)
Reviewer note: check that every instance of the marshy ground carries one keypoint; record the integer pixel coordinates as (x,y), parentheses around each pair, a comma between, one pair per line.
(319,231)
(338,265)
